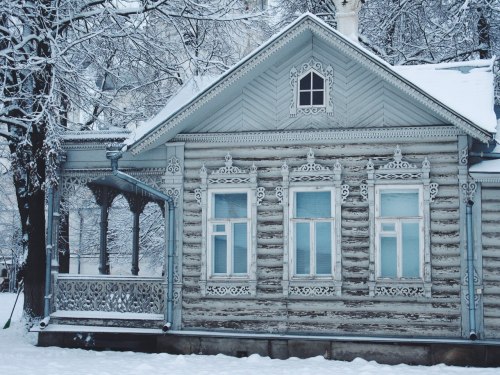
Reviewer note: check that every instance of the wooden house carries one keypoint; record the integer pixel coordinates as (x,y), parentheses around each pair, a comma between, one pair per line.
(320,202)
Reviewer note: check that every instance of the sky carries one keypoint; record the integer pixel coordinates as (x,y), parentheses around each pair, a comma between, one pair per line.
(20,356)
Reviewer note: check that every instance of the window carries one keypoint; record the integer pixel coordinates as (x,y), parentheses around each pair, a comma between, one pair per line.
(312,195)
(311,90)
(228,231)
(229,197)
(399,232)
(312,232)
(399,195)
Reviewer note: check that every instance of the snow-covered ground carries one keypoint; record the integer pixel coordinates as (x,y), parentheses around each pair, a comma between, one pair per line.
(19,356)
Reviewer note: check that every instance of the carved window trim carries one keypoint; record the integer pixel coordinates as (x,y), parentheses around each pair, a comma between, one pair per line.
(399,173)
(308,177)
(297,73)
(229,179)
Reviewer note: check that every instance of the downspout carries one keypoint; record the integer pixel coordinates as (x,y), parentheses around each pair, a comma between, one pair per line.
(470,271)
(48,261)
(114,155)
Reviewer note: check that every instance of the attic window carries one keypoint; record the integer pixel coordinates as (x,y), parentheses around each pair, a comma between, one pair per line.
(311,90)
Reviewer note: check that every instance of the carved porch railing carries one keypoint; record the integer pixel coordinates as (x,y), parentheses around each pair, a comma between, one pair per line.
(123,294)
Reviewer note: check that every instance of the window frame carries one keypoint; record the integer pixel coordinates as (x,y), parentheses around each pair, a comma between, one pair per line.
(399,174)
(398,221)
(312,238)
(212,221)
(311,176)
(297,73)
(228,179)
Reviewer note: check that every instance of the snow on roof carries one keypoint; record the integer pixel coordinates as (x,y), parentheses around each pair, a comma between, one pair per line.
(487,166)
(185,95)
(465,87)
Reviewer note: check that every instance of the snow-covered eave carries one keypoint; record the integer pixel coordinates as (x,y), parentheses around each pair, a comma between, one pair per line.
(307,20)
(95,135)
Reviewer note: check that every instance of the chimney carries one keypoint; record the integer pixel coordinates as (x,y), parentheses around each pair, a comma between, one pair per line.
(347,17)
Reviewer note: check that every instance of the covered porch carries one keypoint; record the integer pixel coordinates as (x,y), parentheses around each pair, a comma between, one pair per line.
(103,299)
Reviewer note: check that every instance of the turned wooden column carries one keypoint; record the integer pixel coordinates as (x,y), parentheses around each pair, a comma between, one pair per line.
(136,204)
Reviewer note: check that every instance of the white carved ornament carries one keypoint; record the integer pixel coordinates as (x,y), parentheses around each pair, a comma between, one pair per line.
(312,291)
(228,290)
(469,190)
(174,165)
(311,165)
(402,291)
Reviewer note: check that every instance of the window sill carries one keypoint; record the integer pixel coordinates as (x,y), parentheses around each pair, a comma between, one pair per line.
(317,288)
(229,287)
(400,288)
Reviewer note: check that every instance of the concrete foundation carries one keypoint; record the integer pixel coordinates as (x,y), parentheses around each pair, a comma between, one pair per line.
(417,353)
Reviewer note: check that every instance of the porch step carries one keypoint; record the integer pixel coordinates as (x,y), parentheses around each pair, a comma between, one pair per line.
(107,319)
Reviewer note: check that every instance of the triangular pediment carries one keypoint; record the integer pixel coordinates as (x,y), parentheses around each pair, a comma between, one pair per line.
(256,95)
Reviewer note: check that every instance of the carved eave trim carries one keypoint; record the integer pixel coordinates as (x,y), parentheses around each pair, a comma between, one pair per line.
(322,136)
(332,37)
(485,177)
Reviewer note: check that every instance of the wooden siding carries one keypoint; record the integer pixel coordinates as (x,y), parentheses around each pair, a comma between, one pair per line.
(490,207)
(361,99)
(354,312)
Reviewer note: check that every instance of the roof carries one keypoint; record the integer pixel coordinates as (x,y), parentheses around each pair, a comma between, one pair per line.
(460,92)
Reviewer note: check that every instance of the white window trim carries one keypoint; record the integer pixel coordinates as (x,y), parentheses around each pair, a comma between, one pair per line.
(326,72)
(292,243)
(311,90)
(399,174)
(229,179)
(211,222)
(398,221)
(311,176)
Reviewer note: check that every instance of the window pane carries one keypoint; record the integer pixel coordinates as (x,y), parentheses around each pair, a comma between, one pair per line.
(302,248)
(318,98)
(388,257)
(305,98)
(399,204)
(318,82)
(230,205)
(219,228)
(305,83)
(313,204)
(388,227)
(240,248)
(411,253)
(220,254)
(323,248)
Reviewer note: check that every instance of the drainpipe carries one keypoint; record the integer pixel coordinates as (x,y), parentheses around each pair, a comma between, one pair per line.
(470,270)
(48,261)
(170,269)
(114,153)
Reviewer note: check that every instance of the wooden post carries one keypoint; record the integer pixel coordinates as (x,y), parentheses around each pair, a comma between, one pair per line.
(103,236)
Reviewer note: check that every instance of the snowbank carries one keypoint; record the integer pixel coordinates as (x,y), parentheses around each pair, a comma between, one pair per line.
(19,356)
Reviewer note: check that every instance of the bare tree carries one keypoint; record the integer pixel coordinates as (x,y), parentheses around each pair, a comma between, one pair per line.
(79,64)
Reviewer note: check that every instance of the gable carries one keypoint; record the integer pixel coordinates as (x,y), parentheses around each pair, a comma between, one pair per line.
(360,99)
(255,94)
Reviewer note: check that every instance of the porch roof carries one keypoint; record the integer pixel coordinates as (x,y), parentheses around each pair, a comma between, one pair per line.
(129,185)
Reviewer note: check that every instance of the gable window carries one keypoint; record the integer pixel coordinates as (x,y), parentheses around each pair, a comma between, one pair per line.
(399,232)
(311,90)
(228,230)
(229,197)
(312,232)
